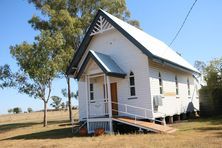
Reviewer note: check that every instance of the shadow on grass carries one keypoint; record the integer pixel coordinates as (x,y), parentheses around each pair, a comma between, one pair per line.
(13,126)
(51,134)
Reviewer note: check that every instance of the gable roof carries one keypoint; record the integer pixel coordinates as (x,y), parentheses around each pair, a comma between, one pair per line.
(152,47)
(105,62)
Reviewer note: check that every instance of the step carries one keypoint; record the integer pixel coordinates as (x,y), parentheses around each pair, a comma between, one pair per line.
(157,128)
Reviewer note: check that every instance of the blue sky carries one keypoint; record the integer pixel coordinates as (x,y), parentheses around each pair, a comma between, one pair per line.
(200,38)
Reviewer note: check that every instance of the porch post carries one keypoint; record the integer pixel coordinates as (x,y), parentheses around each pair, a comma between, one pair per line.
(109,103)
(87,101)
(105,94)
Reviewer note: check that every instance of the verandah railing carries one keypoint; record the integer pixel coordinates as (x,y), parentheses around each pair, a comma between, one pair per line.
(129,110)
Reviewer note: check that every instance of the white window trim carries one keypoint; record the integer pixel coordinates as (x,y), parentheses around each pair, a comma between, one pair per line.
(160,86)
(188,88)
(91,91)
(131,86)
(177,87)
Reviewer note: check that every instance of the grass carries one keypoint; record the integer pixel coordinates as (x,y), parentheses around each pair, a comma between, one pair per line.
(25,130)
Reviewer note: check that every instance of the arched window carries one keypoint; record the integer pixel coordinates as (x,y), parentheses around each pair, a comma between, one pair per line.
(188,86)
(177,87)
(132,84)
(160,83)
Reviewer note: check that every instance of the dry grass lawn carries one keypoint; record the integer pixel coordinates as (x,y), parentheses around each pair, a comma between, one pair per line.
(25,130)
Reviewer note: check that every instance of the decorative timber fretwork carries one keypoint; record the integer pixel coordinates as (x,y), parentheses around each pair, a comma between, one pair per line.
(101,26)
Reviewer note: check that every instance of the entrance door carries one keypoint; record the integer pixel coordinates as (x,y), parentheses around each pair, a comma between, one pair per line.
(113,87)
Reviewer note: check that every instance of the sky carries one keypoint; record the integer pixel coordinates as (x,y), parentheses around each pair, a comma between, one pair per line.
(200,38)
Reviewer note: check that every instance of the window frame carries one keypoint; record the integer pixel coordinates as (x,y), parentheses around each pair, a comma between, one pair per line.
(177,85)
(132,86)
(188,87)
(160,80)
(91,92)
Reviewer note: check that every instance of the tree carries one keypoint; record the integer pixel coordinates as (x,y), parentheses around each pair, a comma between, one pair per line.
(6,79)
(63,105)
(71,18)
(29,110)
(213,75)
(38,66)
(212,92)
(17,110)
(200,65)
(10,111)
(56,102)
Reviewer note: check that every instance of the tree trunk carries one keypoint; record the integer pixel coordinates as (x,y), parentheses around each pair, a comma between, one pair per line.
(69,100)
(45,114)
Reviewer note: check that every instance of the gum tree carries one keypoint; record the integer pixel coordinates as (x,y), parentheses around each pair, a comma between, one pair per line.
(71,18)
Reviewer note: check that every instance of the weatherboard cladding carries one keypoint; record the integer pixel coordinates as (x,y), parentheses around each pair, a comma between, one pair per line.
(152,47)
(105,62)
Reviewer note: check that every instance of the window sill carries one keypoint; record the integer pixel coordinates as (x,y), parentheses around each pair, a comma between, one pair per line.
(133,97)
(189,97)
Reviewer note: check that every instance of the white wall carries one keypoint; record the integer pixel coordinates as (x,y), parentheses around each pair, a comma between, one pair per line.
(129,58)
(172,103)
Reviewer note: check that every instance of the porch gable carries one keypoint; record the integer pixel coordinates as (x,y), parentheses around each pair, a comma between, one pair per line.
(105,62)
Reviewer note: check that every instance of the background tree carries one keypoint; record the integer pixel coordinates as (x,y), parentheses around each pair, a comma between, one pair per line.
(10,111)
(211,94)
(200,65)
(56,102)
(63,106)
(6,79)
(29,110)
(213,75)
(17,110)
(71,19)
(38,66)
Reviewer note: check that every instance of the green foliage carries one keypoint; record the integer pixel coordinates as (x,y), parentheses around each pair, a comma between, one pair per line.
(10,111)
(211,95)
(6,79)
(56,102)
(72,94)
(200,65)
(71,19)
(213,75)
(29,110)
(17,110)
(63,106)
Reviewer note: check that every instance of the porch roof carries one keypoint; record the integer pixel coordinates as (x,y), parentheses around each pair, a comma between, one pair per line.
(105,62)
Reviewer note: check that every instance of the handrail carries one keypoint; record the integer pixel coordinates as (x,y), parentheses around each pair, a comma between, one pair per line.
(135,115)
(135,107)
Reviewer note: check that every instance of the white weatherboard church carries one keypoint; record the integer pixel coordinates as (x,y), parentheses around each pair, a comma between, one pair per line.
(124,72)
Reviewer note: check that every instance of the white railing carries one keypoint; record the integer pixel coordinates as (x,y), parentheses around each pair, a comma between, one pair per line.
(144,112)
(100,106)
(136,116)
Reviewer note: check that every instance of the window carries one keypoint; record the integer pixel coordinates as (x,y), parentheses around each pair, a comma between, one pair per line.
(160,84)
(132,84)
(177,88)
(188,86)
(91,90)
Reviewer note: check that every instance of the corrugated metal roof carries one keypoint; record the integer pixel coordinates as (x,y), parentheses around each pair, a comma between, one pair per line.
(107,63)
(153,45)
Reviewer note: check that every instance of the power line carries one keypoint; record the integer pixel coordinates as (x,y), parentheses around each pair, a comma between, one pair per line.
(183,23)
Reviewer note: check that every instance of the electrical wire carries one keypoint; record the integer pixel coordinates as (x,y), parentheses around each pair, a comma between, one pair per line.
(183,23)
